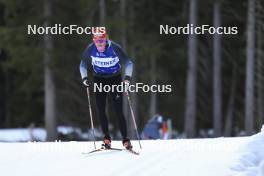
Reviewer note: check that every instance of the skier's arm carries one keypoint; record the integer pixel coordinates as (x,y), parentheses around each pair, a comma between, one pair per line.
(128,64)
(83,68)
(85,62)
(128,69)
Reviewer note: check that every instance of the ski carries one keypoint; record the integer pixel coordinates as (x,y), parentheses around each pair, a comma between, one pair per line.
(96,150)
(132,151)
(103,149)
(113,149)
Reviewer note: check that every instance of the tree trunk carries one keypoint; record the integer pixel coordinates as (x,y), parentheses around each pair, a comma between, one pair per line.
(249,91)
(217,96)
(8,116)
(134,95)
(102,12)
(230,107)
(190,112)
(153,95)
(123,23)
(123,36)
(50,96)
(260,81)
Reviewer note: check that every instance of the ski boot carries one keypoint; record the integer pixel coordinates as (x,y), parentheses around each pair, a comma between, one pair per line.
(127,144)
(106,142)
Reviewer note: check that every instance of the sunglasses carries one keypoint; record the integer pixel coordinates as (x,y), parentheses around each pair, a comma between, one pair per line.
(100,41)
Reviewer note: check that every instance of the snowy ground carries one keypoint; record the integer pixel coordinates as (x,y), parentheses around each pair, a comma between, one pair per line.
(242,156)
(36,134)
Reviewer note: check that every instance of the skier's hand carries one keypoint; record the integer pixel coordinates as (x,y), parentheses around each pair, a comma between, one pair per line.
(86,82)
(127,80)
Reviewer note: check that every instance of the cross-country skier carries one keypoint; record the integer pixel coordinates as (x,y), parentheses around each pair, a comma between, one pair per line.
(107,59)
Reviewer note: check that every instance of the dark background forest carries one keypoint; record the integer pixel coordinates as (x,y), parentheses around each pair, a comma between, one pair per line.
(217,80)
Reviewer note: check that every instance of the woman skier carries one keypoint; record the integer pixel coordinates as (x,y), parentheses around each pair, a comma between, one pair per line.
(107,60)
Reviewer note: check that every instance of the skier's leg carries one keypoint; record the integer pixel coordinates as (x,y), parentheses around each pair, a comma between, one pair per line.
(100,98)
(117,100)
(118,106)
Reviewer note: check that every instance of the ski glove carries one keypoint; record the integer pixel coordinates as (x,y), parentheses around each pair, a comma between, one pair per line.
(86,82)
(127,79)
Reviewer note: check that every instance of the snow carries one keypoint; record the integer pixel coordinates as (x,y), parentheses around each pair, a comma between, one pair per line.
(251,160)
(240,156)
(22,134)
(35,134)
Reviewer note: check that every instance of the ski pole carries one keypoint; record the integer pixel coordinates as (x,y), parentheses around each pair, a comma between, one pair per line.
(133,116)
(91,114)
